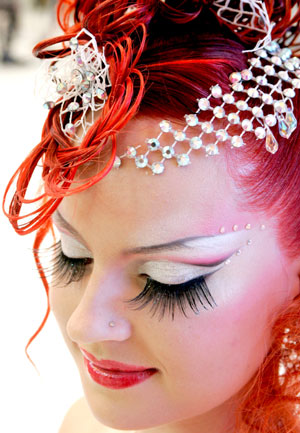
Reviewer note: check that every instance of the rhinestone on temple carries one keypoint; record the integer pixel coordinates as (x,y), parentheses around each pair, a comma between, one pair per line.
(78,83)
(261,100)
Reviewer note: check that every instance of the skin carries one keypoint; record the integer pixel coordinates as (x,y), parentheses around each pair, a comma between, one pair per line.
(203,361)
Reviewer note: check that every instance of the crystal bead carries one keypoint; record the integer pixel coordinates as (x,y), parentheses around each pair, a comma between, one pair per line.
(141,161)
(257,112)
(165,126)
(79,61)
(168,152)
(269,70)
(52,69)
(289,93)
(70,128)
(179,135)
(247,125)
(76,77)
(261,80)
(291,121)
(195,143)
(285,53)
(235,77)
(157,167)
(289,65)
(49,104)
(267,98)
(212,149)
(284,75)
(153,144)
(273,47)
(219,112)
(233,118)
(242,105)
(237,141)
(191,119)
(130,9)
(247,74)
(85,85)
(270,120)
(203,104)
(101,94)
(90,76)
(260,132)
(280,106)
(237,87)
(207,127)
(86,98)
(253,93)
(228,98)
(262,53)
(61,88)
(295,61)
(73,106)
(222,135)
(271,143)
(183,159)
(284,129)
(296,83)
(117,162)
(74,44)
(131,152)
(276,60)
(216,91)
(255,61)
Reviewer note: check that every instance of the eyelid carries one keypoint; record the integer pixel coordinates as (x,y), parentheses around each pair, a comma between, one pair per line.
(73,248)
(176,273)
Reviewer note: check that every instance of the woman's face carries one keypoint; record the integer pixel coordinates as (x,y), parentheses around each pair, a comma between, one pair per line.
(202,360)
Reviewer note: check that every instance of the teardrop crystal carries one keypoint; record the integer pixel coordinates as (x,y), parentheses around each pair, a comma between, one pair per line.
(271,143)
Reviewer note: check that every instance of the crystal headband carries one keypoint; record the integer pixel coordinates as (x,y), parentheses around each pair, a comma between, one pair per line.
(78,83)
(270,83)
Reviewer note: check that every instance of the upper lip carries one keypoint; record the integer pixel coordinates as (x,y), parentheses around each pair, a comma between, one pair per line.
(112,365)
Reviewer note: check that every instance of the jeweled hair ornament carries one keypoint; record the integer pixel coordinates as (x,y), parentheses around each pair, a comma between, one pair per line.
(78,83)
(263,93)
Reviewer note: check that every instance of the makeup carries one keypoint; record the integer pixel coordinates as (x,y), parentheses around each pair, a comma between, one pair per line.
(113,374)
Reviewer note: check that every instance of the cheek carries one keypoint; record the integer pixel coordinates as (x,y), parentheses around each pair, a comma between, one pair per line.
(208,358)
(63,301)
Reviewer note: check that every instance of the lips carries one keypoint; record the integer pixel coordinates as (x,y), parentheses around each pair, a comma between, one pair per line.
(118,375)
(112,365)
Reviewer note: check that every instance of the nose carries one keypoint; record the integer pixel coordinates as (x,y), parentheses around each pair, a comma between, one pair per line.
(101,304)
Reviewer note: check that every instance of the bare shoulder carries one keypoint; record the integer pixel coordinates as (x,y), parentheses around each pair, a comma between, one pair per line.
(79,418)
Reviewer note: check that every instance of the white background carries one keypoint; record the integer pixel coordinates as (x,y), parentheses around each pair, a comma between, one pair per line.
(30,402)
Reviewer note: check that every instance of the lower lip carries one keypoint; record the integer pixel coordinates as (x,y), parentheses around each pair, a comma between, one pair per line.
(117,379)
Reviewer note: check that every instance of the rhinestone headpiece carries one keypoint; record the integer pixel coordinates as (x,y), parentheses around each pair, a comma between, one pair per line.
(78,83)
(260,100)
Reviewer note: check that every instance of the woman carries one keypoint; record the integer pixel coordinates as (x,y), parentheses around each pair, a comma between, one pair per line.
(171,172)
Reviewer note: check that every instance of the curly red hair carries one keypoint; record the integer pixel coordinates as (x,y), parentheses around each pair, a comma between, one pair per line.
(162,59)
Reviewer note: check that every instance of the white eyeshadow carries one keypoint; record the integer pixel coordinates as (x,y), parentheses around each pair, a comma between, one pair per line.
(175,273)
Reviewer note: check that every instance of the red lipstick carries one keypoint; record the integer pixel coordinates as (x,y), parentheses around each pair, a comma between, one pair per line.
(113,374)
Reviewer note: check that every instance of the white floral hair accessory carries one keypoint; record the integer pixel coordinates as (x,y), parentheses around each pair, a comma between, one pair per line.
(78,83)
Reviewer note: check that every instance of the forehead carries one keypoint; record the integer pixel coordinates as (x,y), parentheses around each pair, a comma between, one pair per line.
(183,201)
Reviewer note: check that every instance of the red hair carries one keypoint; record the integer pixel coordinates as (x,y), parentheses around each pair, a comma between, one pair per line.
(162,59)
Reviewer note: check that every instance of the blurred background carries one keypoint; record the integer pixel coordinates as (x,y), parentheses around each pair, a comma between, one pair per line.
(32,402)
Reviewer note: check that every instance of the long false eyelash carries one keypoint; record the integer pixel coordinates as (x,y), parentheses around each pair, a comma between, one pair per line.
(161,296)
(167,296)
(61,269)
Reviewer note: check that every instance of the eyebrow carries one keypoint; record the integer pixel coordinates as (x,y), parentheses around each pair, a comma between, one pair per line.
(176,245)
